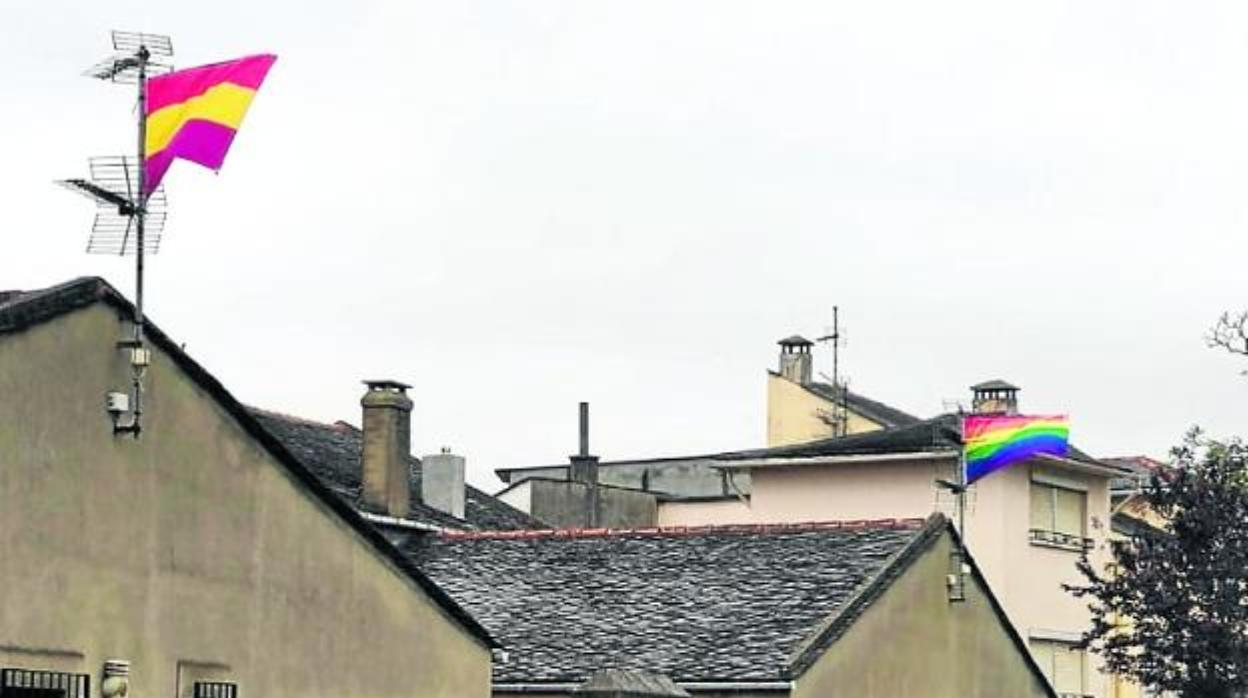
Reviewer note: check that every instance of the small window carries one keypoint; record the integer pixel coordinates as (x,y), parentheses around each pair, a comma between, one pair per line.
(1058,515)
(1063,665)
(31,683)
(215,689)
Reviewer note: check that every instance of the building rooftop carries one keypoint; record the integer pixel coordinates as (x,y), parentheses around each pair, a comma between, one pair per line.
(740,603)
(20,311)
(939,434)
(878,412)
(333,451)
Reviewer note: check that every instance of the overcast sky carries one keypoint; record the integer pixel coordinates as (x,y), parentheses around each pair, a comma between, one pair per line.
(518,205)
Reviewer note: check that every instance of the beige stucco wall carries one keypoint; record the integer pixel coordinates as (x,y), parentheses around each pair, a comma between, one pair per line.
(793,414)
(842,492)
(1027,578)
(712,513)
(190,552)
(913,642)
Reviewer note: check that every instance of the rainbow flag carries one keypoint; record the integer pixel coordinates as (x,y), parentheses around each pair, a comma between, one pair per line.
(193,114)
(993,442)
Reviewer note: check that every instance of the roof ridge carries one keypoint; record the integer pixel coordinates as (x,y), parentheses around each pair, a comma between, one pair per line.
(338,425)
(766,528)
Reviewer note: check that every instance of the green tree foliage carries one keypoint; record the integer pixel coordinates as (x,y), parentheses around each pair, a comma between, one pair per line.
(1171,612)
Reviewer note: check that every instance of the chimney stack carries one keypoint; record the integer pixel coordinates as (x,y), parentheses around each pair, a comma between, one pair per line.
(584,466)
(387,447)
(795,359)
(442,482)
(994,397)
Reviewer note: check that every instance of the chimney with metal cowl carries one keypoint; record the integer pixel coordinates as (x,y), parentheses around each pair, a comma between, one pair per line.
(442,482)
(385,482)
(795,359)
(994,397)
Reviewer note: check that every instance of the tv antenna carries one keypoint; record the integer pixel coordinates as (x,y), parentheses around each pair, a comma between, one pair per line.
(128,220)
(840,417)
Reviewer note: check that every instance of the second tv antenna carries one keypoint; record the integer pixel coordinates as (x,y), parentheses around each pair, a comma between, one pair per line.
(127,221)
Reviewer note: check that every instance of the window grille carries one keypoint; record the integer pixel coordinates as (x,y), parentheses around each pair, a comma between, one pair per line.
(1058,516)
(30,683)
(215,689)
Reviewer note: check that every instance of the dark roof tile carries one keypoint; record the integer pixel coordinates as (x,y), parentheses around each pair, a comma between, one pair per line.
(332,452)
(696,604)
(884,415)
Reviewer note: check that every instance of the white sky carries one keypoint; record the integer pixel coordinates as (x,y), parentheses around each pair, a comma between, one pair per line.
(518,205)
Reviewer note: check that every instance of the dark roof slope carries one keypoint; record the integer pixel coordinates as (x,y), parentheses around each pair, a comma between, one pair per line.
(943,433)
(878,412)
(632,683)
(27,309)
(701,604)
(332,453)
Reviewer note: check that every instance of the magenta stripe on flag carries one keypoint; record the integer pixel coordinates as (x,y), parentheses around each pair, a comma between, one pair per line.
(182,85)
(204,142)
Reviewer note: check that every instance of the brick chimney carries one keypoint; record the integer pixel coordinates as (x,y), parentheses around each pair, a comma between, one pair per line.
(442,482)
(994,397)
(795,359)
(387,446)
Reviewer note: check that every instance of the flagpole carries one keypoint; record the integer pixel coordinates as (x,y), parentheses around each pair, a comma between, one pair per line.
(140,212)
(138,360)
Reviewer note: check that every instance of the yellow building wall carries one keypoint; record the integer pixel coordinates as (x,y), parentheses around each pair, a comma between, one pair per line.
(913,641)
(1137,507)
(793,414)
(190,552)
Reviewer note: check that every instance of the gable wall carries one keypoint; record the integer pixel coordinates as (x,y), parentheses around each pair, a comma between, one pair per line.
(913,642)
(793,414)
(190,552)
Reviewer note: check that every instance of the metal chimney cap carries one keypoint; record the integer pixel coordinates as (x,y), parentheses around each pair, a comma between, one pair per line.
(387,384)
(995,384)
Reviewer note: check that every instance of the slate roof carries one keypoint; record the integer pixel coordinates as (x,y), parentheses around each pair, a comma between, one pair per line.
(943,433)
(20,310)
(735,603)
(332,453)
(630,682)
(874,410)
(878,412)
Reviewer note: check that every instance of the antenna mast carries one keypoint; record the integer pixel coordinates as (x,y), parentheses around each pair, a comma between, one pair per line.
(840,418)
(129,219)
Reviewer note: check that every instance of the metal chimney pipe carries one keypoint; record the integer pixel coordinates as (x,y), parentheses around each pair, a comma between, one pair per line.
(584,429)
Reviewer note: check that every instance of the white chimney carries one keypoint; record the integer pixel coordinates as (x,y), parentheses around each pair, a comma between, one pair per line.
(442,482)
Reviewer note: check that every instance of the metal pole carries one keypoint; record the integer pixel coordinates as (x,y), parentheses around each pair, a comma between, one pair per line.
(584,425)
(961,504)
(141,209)
(140,216)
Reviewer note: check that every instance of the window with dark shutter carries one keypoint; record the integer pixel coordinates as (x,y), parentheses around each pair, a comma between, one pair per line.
(33,683)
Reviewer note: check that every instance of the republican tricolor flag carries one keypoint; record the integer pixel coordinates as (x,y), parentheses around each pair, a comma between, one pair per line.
(193,114)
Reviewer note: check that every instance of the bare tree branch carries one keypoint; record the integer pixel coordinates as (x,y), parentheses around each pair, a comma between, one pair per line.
(1230,333)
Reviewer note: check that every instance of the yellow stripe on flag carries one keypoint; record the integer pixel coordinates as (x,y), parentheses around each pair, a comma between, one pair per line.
(225,104)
